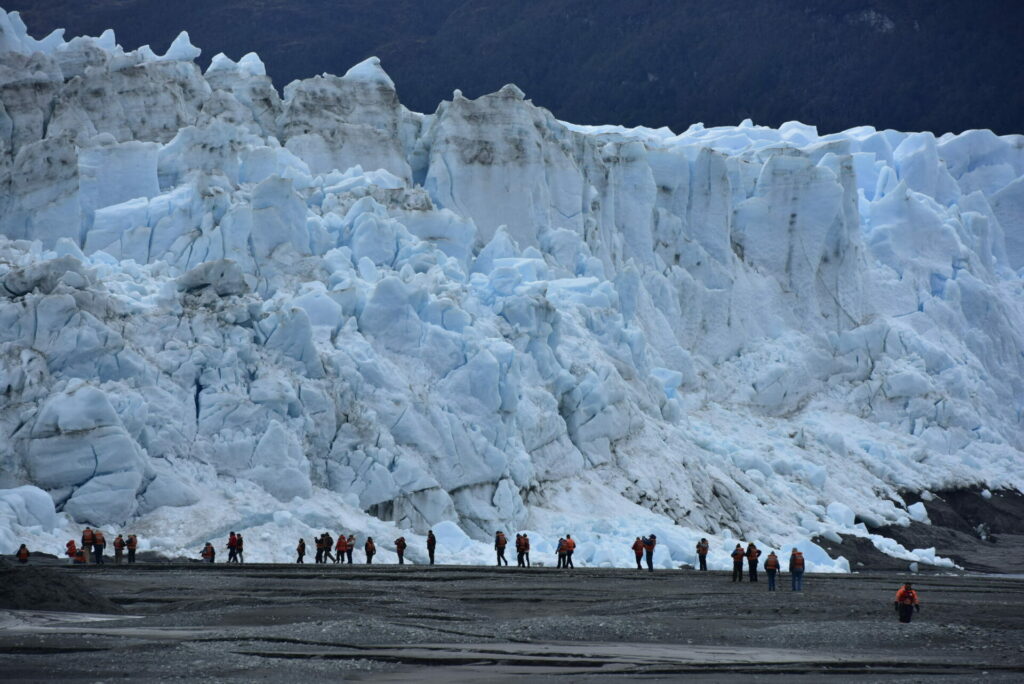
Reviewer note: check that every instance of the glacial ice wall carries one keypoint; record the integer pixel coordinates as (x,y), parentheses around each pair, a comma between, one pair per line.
(223,308)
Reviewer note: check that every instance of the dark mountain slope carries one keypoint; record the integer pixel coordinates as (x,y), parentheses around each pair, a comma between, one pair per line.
(907,64)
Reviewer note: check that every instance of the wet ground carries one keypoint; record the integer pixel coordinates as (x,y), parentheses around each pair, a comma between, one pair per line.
(464,624)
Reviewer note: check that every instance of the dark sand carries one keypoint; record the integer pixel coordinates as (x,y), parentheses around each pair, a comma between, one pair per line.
(465,624)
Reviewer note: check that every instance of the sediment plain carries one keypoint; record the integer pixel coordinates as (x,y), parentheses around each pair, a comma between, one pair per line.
(254,622)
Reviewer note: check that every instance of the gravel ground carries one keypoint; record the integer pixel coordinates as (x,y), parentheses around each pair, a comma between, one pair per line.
(390,623)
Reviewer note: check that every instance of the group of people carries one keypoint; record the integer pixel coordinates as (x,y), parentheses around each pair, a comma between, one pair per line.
(93,545)
(345,545)
(235,547)
(772,566)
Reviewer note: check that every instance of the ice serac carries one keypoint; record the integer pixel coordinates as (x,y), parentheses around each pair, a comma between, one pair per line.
(221,308)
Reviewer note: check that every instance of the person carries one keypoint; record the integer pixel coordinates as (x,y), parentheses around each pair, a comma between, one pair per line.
(351,544)
(400,550)
(753,554)
(72,550)
(649,544)
(638,550)
(370,548)
(520,563)
(560,550)
(301,551)
(239,549)
(87,541)
(431,545)
(737,563)
(118,549)
(99,542)
(702,553)
(340,548)
(319,549)
(526,548)
(771,566)
(500,542)
(132,545)
(232,548)
(570,546)
(906,602)
(22,554)
(328,545)
(208,553)
(796,570)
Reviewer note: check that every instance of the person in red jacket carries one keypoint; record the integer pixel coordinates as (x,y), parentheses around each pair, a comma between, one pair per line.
(431,545)
(132,545)
(638,550)
(753,554)
(371,549)
(232,548)
(400,550)
(22,554)
(340,547)
(906,602)
(649,543)
(500,542)
(771,566)
(520,563)
(119,544)
(796,570)
(737,563)
(526,548)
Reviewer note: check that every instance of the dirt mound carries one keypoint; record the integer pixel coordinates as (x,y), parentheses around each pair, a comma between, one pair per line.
(36,588)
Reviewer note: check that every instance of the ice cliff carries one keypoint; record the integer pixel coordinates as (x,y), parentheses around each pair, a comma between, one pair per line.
(221,308)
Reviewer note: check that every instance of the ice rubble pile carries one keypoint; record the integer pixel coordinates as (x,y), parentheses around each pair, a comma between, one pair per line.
(224,309)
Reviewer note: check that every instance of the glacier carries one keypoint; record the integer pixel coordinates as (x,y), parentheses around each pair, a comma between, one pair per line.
(229,308)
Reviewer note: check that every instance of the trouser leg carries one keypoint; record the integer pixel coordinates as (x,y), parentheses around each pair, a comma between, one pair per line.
(639,566)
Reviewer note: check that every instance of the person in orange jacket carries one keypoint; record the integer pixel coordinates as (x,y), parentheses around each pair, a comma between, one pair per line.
(301,551)
(340,547)
(570,546)
(371,549)
(560,550)
(400,549)
(208,553)
(431,545)
(22,554)
(649,543)
(796,570)
(351,544)
(906,602)
(118,549)
(99,542)
(526,549)
(132,544)
(71,550)
(88,538)
(753,554)
(500,542)
(771,566)
(520,563)
(638,551)
(702,553)
(737,563)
